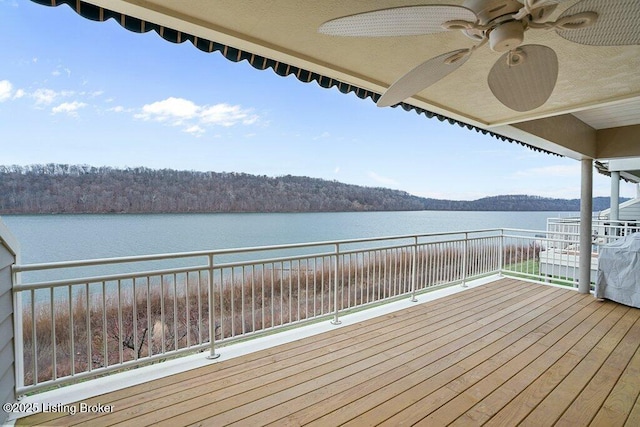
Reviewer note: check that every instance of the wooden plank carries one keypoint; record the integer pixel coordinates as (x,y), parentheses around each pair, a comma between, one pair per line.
(589,401)
(505,350)
(498,389)
(139,409)
(340,394)
(263,398)
(137,398)
(472,386)
(432,392)
(634,417)
(380,405)
(620,402)
(570,372)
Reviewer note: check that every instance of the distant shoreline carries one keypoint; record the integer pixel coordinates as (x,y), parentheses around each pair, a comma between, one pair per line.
(81,189)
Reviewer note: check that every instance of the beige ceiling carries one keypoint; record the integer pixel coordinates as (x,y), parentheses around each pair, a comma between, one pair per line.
(594,111)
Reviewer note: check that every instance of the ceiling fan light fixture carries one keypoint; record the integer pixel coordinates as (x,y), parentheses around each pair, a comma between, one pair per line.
(506,36)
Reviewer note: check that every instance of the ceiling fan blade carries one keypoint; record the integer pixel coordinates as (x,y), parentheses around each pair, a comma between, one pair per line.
(617,23)
(524,78)
(399,21)
(423,76)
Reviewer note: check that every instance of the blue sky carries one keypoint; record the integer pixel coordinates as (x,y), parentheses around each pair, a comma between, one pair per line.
(81,92)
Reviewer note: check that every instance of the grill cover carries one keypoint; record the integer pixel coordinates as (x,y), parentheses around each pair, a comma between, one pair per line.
(619,271)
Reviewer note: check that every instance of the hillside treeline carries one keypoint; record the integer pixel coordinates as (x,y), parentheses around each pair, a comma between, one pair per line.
(57,188)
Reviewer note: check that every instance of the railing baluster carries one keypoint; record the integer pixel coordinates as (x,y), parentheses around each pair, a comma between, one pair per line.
(187,313)
(149,326)
(212,316)
(272,299)
(336,320)
(175,312)
(253,298)
(414,268)
(290,263)
(120,326)
(105,347)
(199,302)
(163,319)
(134,305)
(72,353)
(88,329)
(54,363)
(464,260)
(34,338)
(262,307)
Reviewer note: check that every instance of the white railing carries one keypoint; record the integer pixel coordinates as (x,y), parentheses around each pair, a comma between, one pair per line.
(142,309)
(549,257)
(603,231)
(83,319)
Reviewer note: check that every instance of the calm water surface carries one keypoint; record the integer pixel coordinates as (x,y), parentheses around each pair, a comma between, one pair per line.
(46,238)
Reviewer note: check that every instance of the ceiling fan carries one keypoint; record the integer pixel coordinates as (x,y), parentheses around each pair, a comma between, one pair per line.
(524,77)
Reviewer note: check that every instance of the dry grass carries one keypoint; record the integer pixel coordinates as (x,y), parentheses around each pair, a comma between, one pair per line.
(171,312)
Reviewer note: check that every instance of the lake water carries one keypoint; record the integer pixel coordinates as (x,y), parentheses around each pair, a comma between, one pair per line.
(47,238)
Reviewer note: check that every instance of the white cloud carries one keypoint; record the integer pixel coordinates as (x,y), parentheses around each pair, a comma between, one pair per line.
(196,118)
(226,115)
(70,108)
(44,96)
(194,130)
(117,109)
(174,110)
(6,90)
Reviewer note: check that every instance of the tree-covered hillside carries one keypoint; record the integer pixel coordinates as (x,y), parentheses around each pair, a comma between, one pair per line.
(55,188)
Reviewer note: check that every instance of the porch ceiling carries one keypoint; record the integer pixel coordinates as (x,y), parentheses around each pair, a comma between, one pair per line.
(593,112)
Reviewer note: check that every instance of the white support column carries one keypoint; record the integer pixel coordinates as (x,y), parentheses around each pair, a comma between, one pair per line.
(614,213)
(586,213)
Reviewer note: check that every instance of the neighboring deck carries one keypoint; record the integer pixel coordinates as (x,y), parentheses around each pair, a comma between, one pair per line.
(502,353)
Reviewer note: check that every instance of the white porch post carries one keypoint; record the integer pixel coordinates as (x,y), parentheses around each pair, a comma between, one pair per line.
(586,208)
(614,213)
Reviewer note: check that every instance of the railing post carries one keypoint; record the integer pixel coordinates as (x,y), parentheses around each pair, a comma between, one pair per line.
(414,262)
(212,314)
(18,332)
(464,260)
(336,320)
(501,252)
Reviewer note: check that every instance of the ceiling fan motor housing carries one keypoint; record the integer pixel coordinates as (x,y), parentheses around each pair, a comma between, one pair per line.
(506,36)
(489,10)
(504,33)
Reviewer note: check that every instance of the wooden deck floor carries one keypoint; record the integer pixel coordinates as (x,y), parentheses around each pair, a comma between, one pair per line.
(505,353)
